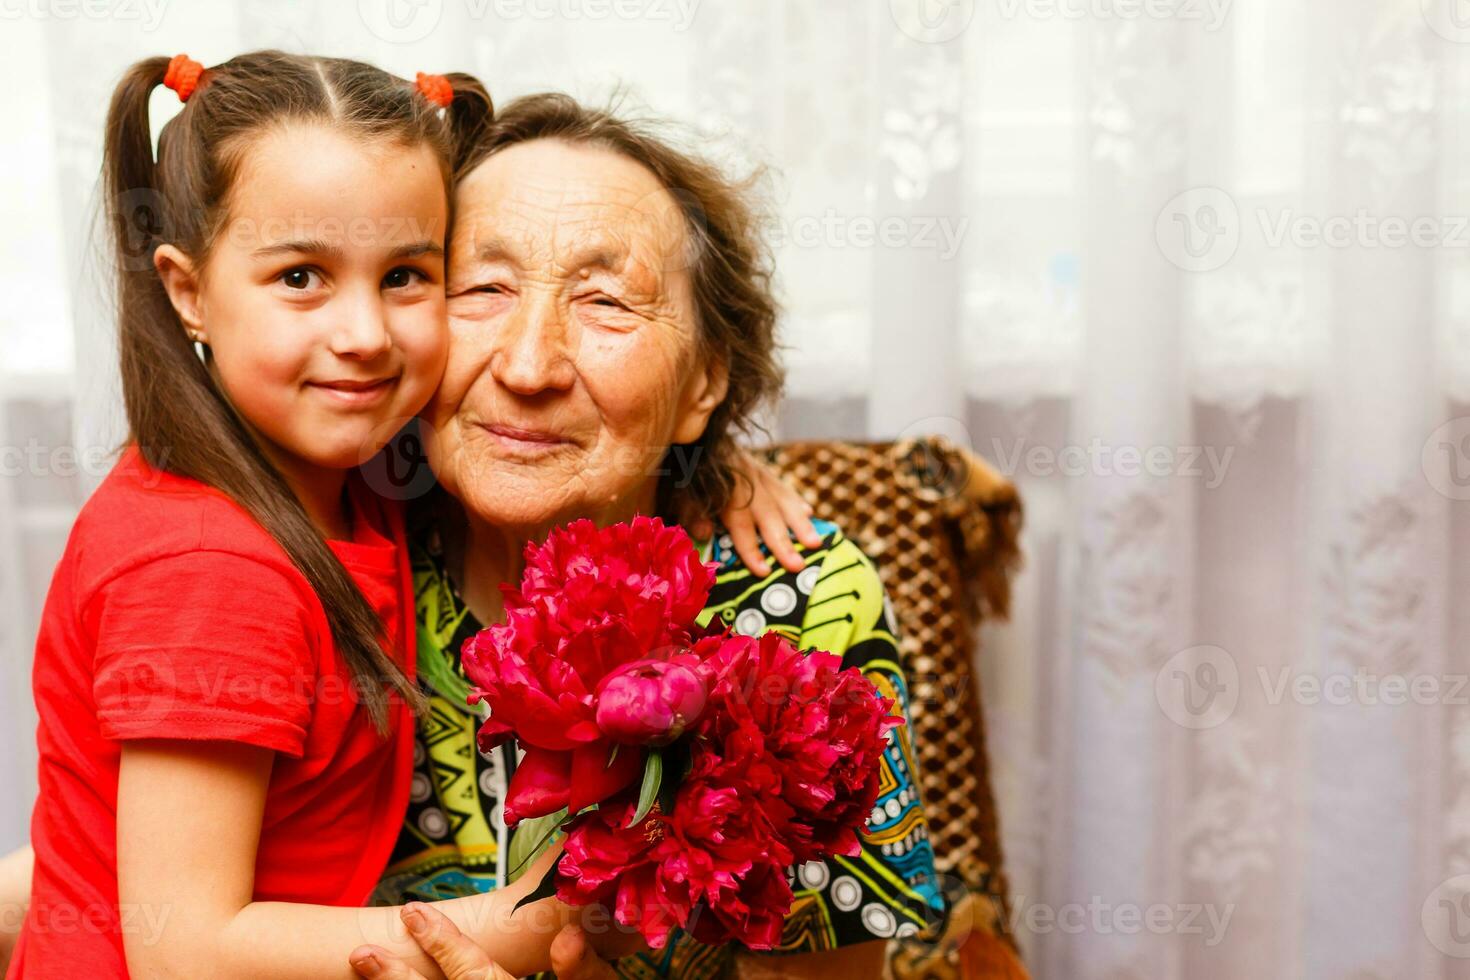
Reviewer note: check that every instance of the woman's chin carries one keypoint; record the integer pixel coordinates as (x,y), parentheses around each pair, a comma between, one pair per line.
(521,504)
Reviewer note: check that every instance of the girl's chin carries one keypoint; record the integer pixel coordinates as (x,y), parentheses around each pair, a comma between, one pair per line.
(348,450)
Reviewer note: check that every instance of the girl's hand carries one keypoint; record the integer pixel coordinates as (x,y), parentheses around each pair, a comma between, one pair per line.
(572,957)
(776,510)
(15,895)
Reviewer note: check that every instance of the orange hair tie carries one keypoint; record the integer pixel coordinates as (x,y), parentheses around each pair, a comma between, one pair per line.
(183,75)
(435,88)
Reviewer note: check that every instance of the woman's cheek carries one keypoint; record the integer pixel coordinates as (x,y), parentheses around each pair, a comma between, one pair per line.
(468,352)
(630,377)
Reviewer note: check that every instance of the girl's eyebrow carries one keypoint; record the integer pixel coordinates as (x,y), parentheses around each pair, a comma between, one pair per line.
(304,246)
(331,250)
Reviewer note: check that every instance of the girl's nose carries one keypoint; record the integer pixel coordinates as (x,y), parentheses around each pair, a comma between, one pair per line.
(361,328)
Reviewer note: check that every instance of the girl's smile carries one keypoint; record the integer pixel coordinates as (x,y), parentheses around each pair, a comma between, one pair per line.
(354,394)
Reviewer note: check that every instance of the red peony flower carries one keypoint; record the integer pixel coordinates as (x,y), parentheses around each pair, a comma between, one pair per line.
(766,755)
(592,601)
(723,846)
(712,866)
(645,573)
(609,863)
(810,732)
(652,702)
(540,689)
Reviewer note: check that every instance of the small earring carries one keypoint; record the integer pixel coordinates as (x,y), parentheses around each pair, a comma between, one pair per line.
(199,346)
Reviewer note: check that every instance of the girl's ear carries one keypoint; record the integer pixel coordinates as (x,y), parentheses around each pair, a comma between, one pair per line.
(702,396)
(181,282)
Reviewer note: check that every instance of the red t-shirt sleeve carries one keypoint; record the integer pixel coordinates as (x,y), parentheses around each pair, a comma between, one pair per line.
(205,645)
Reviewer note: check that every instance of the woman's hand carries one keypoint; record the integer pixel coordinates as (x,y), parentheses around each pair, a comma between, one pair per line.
(776,510)
(572,956)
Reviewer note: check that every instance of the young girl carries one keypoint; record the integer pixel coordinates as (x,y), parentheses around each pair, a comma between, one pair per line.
(225,668)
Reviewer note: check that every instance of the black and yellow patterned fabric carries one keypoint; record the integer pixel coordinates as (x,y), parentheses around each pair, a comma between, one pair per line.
(453,840)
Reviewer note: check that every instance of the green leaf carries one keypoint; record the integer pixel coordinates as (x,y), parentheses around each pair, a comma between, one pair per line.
(653,775)
(545,889)
(531,837)
(612,756)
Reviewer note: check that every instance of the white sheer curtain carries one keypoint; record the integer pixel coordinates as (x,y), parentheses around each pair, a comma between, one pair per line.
(1196,274)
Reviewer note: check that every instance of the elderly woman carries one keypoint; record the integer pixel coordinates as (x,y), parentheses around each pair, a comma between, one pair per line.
(609,297)
(611,331)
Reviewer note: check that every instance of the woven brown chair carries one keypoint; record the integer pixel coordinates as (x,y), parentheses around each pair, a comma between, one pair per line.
(941,525)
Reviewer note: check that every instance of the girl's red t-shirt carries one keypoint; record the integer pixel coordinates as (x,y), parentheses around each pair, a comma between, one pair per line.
(172,614)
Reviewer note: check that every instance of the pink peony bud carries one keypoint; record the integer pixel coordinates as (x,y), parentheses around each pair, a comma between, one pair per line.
(650,702)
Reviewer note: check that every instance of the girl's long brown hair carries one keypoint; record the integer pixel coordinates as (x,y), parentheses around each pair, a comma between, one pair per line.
(179,418)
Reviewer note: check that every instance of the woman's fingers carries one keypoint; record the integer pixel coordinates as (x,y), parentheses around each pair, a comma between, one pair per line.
(376,963)
(573,958)
(457,955)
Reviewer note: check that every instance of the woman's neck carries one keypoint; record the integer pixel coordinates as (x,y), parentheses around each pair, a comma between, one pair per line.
(491,555)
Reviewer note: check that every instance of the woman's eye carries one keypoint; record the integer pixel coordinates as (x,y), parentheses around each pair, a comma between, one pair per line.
(400,277)
(299,278)
(601,299)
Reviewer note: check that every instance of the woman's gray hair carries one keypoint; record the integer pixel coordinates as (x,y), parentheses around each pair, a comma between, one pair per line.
(730,268)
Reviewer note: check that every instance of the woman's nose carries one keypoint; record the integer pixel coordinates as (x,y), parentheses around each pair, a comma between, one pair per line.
(361,327)
(534,348)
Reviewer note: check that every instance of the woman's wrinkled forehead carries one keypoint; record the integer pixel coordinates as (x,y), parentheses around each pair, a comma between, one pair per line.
(563,208)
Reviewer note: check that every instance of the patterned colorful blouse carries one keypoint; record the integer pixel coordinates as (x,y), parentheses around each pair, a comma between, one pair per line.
(455,843)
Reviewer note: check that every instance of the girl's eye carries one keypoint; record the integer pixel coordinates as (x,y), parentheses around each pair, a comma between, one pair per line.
(299,278)
(400,277)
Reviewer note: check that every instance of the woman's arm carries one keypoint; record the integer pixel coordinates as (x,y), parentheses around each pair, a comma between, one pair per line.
(15,895)
(189,816)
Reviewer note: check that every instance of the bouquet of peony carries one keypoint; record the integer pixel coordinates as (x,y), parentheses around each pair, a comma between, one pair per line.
(687,766)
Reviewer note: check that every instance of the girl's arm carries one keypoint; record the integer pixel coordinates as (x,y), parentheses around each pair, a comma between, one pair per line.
(775,510)
(189,817)
(15,895)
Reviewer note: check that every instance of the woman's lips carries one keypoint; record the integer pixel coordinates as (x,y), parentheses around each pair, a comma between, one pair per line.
(354,393)
(524,442)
